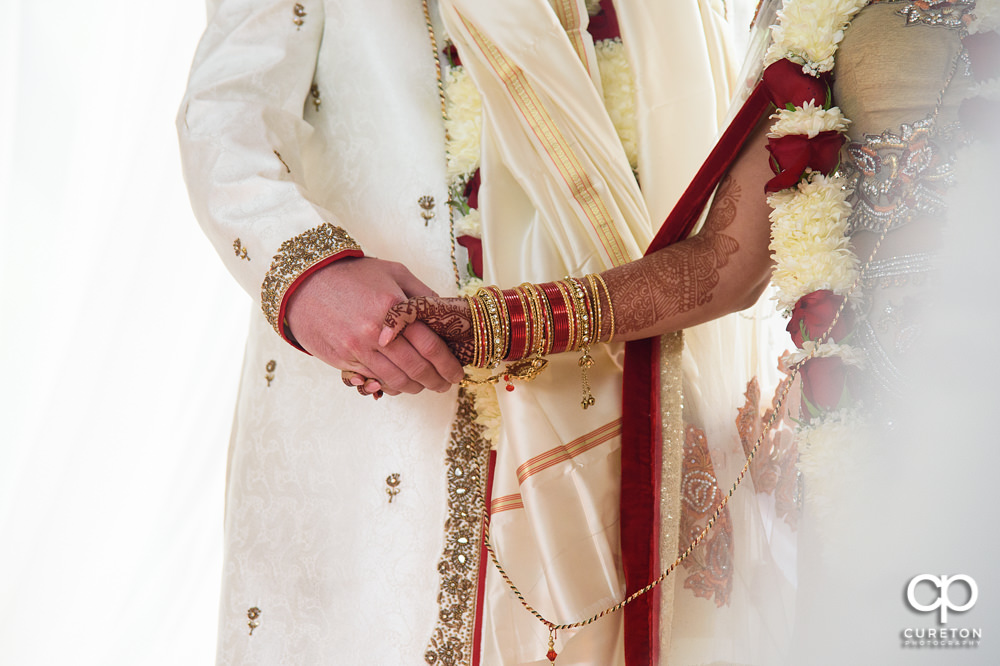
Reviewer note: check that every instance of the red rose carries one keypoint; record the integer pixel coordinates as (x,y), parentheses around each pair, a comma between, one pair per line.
(474,246)
(984,55)
(605,24)
(786,84)
(791,155)
(812,316)
(823,381)
(451,53)
(472,190)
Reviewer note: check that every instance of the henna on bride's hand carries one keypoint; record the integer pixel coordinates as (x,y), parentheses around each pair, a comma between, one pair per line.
(447,317)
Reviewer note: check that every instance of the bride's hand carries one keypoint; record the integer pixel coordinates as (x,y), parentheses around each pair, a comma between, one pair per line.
(448,317)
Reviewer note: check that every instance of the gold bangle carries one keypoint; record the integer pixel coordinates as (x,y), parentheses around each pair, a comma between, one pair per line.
(611,308)
(595,298)
(476,338)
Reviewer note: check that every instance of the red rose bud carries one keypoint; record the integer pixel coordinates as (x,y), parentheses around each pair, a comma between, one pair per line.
(474,246)
(823,381)
(984,55)
(812,316)
(786,84)
(472,190)
(605,24)
(791,155)
(451,53)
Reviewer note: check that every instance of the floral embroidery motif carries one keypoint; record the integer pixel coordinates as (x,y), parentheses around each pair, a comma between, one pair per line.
(270,367)
(427,205)
(773,468)
(252,615)
(712,574)
(300,15)
(392,483)
(296,256)
(241,252)
(467,460)
(314,93)
(896,177)
(946,13)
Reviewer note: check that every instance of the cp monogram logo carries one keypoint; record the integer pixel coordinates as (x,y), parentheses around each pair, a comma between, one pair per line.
(943,601)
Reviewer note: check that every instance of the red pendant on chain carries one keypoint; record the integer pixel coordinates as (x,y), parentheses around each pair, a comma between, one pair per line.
(510,386)
(551,655)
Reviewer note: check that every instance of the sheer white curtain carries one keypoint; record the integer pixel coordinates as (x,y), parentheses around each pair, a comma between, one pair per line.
(120,343)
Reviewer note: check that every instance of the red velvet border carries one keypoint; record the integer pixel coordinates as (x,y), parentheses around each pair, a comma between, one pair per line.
(640,405)
(484,565)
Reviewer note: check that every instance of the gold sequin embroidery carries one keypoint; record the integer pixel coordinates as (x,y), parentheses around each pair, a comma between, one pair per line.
(252,615)
(773,469)
(427,204)
(467,461)
(392,483)
(270,367)
(241,252)
(314,93)
(300,15)
(296,256)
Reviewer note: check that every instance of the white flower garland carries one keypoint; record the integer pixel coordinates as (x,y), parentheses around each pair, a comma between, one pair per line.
(809,230)
(809,240)
(809,32)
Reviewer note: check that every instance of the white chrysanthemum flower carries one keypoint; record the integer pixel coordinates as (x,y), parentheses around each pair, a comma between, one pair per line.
(831,449)
(807,119)
(988,89)
(809,32)
(464,125)
(987,17)
(809,239)
(848,354)
(471,286)
(487,405)
(470,224)
(593,7)
(619,94)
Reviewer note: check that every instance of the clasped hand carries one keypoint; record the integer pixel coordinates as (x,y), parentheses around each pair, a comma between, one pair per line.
(337,315)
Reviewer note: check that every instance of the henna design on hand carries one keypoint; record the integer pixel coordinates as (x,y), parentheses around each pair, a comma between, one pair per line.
(447,317)
(679,278)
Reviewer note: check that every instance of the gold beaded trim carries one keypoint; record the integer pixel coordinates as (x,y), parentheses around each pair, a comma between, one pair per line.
(467,459)
(296,256)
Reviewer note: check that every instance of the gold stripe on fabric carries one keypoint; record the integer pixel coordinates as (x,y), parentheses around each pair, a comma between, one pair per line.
(565,452)
(555,146)
(506,503)
(569,16)
(672,456)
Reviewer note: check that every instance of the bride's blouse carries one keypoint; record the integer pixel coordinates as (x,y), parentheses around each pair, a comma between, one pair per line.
(900,76)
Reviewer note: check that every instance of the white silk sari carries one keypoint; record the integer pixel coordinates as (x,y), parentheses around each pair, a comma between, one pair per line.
(559,198)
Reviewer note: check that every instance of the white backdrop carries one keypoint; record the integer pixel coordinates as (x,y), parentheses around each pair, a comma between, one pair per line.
(120,344)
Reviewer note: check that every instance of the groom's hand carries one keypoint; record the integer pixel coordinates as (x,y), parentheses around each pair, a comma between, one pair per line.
(337,313)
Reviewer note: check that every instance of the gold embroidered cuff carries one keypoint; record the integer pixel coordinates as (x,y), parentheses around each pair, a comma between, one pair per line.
(295,258)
